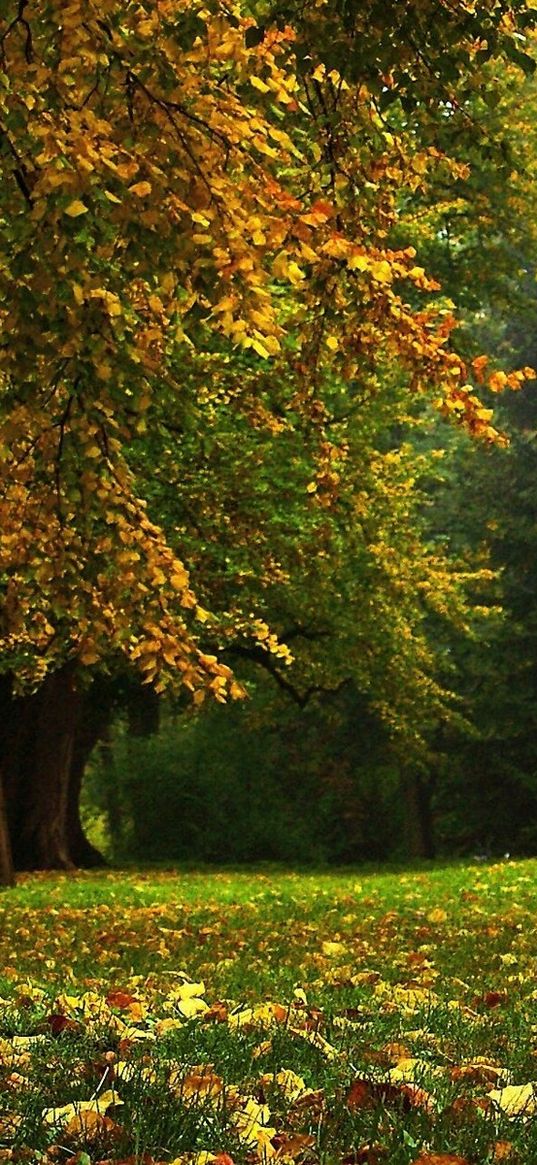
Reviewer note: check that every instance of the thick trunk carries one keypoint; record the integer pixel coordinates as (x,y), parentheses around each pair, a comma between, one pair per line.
(45,741)
(7,876)
(41,839)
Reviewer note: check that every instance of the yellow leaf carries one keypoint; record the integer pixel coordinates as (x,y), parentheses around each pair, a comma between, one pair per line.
(67,1112)
(179,579)
(358,263)
(437,915)
(192,1007)
(140,189)
(259,84)
(332,948)
(76,208)
(260,348)
(188,990)
(382,271)
(516,1099)
(332,342)
(410,1071)
(292,1085)
(294,274)
(90,1125)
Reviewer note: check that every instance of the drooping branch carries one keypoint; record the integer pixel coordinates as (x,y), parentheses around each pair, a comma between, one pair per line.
(265,660)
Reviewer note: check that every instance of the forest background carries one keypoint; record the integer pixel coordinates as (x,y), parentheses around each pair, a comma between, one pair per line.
(267,547)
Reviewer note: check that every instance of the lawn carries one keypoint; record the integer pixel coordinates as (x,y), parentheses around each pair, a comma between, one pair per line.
(254,1016)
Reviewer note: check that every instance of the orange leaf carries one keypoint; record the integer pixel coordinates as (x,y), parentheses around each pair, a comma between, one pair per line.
(440,1159)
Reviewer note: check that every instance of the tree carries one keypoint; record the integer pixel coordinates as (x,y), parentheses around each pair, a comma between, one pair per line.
(183,183)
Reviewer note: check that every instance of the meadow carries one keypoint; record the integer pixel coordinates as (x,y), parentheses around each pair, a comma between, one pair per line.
(341,1018)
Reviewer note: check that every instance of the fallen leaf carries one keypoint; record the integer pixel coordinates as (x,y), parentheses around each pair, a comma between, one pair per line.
(516,1099)
(440,1159)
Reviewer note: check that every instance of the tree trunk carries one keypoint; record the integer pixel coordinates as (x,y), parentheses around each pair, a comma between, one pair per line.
(41,839)
(7,876)
(45,741)
(417,793)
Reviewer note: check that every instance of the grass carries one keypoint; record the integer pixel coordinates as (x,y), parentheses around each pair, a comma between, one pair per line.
(330,1018)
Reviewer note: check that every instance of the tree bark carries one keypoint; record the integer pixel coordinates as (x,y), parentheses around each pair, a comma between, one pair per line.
(50,716)
(417,792)
(45,741)
(7,874)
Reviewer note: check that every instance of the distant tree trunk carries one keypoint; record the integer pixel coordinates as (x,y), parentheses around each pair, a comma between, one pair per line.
(417,793)
(7,875)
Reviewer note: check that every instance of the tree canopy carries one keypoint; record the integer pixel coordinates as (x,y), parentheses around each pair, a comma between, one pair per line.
(196,209)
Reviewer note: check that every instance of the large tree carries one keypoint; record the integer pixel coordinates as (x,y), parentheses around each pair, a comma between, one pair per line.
(197,205)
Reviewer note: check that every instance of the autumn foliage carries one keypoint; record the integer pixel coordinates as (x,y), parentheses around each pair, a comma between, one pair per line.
(184,187)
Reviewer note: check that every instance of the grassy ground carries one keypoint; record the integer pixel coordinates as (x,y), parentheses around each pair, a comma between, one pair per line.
(333,1018)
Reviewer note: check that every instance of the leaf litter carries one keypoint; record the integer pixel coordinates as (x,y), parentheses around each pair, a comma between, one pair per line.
(174,1019)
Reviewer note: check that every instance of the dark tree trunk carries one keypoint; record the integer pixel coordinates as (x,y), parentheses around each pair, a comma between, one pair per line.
(7,875)
(417,796)
(49,721)
(45,741)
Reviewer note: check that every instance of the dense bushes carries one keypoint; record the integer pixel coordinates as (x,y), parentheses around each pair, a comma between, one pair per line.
(226,786)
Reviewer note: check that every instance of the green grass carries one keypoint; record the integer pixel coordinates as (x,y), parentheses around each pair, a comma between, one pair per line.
(370,970)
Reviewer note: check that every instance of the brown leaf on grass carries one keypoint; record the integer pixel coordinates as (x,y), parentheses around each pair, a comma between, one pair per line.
(9,1124)
(144,1159)
(58,1023)
(372,1093)
(465,1108)
(490,999)
(505,1151)
(313,1100)
(217,1013)
(440,1159)
(120,999)
(291,1145)
(387,1056)
(366,1155)
(477,1072)
(92,1127)
(201,1082)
